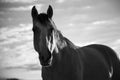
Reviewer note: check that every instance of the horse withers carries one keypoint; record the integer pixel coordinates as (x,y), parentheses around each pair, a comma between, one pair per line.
(62,60)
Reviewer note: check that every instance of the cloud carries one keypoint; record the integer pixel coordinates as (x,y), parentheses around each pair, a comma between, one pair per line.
(116,44)
(16,46)
(21,74)
(33,67)
(28,67)
(2,12)
(104,22)
(15,34)
(25,8)
(60,1)
(17,55)
(21,8)
(87,7)
(21,1)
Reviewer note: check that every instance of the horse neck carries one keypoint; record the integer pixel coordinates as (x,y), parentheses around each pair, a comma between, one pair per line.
(63,42)
(66,54)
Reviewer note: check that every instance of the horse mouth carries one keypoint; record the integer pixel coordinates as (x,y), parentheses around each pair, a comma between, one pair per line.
(46,63)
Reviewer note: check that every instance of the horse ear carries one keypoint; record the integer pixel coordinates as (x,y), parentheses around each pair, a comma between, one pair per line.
(34,12)
(50,11)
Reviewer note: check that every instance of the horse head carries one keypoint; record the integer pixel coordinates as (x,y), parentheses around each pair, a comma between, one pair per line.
(46,36)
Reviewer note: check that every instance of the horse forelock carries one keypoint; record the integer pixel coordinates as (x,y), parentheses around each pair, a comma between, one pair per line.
(43,18)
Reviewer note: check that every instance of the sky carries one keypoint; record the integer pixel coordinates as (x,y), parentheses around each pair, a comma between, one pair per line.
(81,21)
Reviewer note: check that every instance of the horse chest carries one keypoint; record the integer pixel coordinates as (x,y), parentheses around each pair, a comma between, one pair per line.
(61,76)
(67,70)
(94,66)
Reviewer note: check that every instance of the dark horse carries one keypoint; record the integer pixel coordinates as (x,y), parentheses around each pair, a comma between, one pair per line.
(62,60)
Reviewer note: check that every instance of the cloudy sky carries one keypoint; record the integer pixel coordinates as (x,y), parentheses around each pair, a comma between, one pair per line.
(82,21)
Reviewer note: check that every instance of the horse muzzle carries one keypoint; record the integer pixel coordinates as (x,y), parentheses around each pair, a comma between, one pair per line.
(45,61)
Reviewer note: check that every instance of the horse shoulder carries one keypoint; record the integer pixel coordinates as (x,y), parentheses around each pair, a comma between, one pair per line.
(105,51)
(100,51)
(94,61)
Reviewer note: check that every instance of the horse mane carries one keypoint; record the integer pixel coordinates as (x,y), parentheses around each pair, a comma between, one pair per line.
(69,43)
(72,45)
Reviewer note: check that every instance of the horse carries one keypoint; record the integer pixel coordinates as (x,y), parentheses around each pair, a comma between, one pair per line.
(63,60)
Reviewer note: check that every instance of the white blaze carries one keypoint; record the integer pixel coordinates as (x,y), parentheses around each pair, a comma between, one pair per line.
(52,46)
